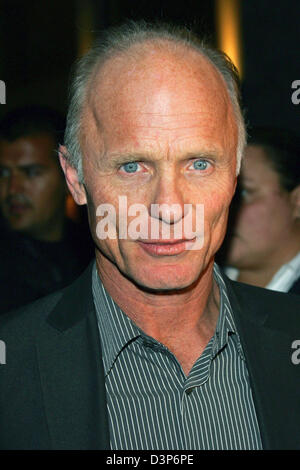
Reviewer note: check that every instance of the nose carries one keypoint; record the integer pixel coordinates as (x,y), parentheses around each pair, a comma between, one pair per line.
(167,203)
(15,184)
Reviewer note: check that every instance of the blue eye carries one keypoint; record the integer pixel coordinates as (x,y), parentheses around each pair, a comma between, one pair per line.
(130,167)
(247,193)
(200,164)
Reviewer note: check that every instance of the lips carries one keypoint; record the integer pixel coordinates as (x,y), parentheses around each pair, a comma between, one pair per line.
(164,247)
(16,209)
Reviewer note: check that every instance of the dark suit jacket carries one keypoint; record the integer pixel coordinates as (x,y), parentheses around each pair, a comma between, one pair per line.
(295,288)
(52,393)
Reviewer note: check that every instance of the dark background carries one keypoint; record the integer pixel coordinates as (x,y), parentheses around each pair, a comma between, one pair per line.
(40,39)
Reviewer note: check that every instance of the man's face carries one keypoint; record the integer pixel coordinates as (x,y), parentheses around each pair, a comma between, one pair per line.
(32,190)
(160,131)
(264,218)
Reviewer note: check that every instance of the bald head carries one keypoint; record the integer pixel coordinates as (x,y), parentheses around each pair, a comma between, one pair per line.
(163,84)
(124,57)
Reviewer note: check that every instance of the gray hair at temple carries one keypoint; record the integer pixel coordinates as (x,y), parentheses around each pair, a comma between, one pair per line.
(117,41)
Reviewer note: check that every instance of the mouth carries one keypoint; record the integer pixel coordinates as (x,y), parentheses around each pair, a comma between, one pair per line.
(164,247)
(17,209)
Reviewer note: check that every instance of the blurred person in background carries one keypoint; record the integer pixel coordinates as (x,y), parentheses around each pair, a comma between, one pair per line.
(41,250)
(262,247)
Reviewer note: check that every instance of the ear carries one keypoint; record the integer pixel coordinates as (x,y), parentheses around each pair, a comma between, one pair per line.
(75,187)
(295,201)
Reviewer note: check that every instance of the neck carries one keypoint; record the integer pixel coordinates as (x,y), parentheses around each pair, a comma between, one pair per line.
(256,277)
(261,275)
(54,231)
(193,310)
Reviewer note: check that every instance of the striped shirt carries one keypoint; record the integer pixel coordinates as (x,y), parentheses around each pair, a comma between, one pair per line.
(152,405)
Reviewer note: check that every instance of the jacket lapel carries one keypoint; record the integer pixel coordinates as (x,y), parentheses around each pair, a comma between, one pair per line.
(71,371)
(273,377)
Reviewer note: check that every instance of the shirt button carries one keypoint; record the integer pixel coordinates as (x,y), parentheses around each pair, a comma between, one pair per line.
(189,390)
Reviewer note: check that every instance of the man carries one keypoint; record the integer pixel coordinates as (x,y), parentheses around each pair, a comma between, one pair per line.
(152,348)
(39,252)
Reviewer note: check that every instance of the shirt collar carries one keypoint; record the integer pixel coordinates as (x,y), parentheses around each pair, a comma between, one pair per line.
(117,329)
(282,280)
(225,326)
(285,277)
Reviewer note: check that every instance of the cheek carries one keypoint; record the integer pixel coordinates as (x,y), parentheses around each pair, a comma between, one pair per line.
(216,210)
(119,199)
(255,219)
(39,192)
(215,220)
(47,194)
(3,190)
(103,194)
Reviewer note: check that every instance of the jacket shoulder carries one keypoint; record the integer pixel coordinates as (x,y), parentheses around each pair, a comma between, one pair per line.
(25,321)
(295,288)
(280,309)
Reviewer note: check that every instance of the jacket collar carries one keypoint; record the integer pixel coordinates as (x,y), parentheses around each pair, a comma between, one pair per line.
(75,304)
(71,371)
(266,339)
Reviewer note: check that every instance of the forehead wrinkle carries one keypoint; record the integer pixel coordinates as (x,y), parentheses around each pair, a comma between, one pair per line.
(185,117)
(96,118)
(164,154)
(142,60)
(109,97)
(113,91)
(91,127)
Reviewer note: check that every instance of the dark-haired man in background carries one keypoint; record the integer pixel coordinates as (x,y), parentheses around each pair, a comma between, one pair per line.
(41,251)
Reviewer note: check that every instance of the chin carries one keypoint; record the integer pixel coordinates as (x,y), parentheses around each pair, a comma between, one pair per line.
(164,278)
(234,259)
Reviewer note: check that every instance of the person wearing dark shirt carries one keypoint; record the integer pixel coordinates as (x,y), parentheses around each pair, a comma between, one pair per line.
(41,250)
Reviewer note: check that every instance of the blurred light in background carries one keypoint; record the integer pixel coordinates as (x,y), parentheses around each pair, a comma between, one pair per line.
(71,208)
(229,30)
(85,25)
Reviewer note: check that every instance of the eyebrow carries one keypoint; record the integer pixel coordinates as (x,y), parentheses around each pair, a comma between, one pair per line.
(121,158)
(126,157)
